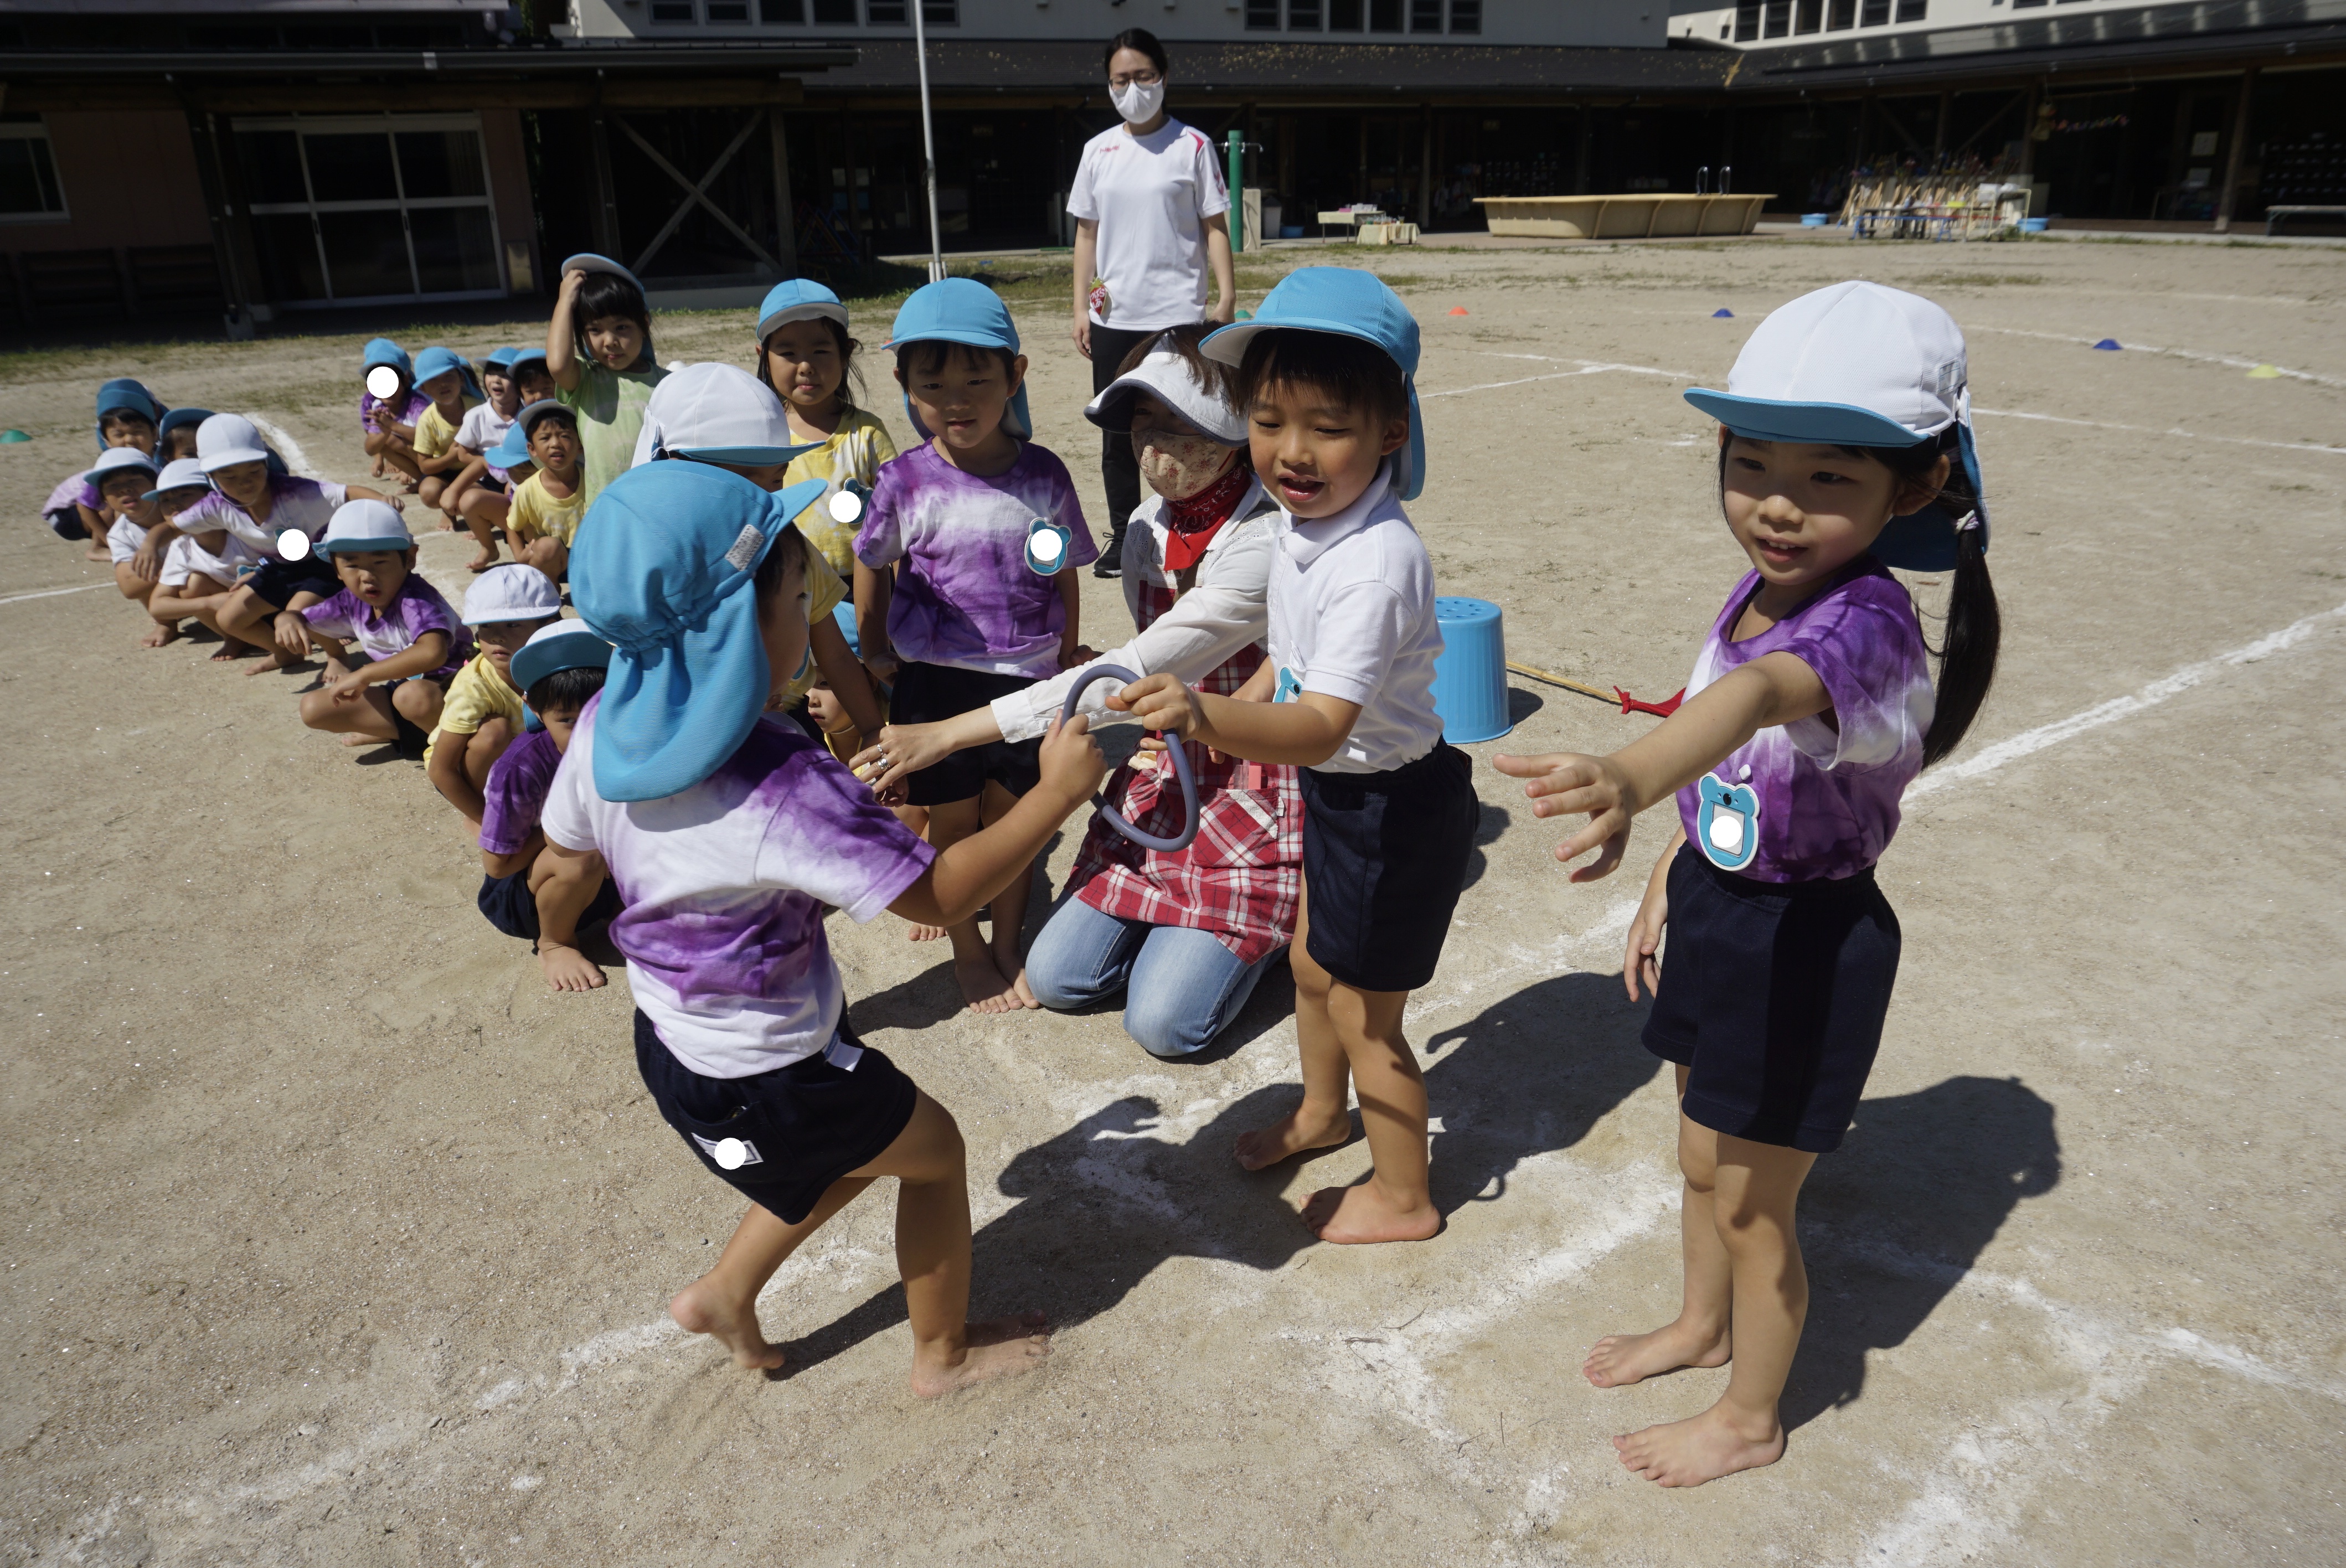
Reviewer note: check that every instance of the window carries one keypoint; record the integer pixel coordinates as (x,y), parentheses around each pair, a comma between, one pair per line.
(1874,13)
(1465,15)
(29,176)
(1343,15)
(1780,18)
(1809,16)
(781,12)
(1384,16)
(728,12)
(369,207)
(671,10)
(834,13)
(1914,10)
(2024,4)
(940,13)
(1262,15)
(1303,16)
(1747,23)
(1425,15)
(887,14)
(1841,18)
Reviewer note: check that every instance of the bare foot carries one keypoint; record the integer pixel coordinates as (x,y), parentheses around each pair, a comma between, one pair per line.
(1620,1360)
(231,650)
(275,658)
(365,740)
(1290,1135)
(1700,1447)
(981,985)
(924,933)
(482,560)
(1354,1215)
(160,635)
(1003,1347)
(1018,996)
(98,551)
(703,1309)
(1024,993)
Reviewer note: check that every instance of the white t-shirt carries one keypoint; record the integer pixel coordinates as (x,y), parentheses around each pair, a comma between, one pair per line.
(122,540)
(1351,618)
(724,887)
(187,556)
(484,429)
(1150,196)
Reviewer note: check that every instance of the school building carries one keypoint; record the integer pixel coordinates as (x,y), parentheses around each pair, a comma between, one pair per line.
(256,158)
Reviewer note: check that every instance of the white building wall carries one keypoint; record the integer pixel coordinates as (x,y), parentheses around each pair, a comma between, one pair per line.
(1802,21)
(1618,24)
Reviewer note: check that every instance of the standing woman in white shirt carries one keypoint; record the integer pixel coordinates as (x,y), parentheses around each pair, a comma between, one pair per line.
(1151,227)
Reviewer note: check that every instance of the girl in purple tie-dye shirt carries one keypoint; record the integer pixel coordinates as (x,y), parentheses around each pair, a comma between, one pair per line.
(1845,449)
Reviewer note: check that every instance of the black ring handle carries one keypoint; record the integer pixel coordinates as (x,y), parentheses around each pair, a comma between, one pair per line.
(1179,753)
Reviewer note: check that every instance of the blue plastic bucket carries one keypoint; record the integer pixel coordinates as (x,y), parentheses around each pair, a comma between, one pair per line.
(2034,225)
(1815,220)
(1470,677)
(1290,231)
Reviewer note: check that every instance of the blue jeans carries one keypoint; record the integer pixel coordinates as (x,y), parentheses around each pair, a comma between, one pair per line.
(1182,987)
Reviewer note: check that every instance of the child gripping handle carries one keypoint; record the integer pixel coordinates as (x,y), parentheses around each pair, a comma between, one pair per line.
(1845,450)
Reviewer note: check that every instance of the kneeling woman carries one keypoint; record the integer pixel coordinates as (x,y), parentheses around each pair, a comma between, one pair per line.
(1184,935)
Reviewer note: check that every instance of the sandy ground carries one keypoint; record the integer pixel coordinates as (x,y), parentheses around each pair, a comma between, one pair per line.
(334,1237)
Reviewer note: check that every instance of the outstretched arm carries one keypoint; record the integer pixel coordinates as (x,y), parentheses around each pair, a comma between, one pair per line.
(1305,732)
(971,873)
(1774,689)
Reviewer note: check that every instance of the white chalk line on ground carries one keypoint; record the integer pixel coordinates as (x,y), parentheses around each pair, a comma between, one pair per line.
(286,447)
(2146,429)
(2314,376)
(53,593)
(1991,757)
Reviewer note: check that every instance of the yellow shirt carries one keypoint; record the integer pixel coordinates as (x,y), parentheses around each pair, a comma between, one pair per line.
(475,695)
(825,593)
(434,434)
(537,513)
(855,450)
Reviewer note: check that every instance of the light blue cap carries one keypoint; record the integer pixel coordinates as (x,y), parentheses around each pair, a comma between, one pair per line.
(588,261)
(960,310)
(513,452)
(1861,365)
(179,417)
(502,357)
(526,419)
(663,567)
(797,300)
(1353,303)
(436,360)
(564,645)
(124,395)
(384,352)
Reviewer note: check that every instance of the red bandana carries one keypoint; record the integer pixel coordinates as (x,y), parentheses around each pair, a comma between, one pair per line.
(1191,524)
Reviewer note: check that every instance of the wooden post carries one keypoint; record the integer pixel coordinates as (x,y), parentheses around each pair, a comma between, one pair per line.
(786,212)
(1360,180)
(2238,150)
(607,198)
(1425,168)
(2028,129)
(1580,155)
(1939,131)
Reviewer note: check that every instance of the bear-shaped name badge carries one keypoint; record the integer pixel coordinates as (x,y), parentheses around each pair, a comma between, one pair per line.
(1290,685)
(1727,823)
(1047,547)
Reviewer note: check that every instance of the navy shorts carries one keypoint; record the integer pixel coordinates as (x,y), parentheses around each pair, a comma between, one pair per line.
(512,907)
(65,523)
(274,583)
(1384,859)
(793,1131)
(1773,997)
(926,693)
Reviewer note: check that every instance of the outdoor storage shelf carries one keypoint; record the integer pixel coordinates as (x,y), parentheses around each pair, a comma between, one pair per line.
(1644,217)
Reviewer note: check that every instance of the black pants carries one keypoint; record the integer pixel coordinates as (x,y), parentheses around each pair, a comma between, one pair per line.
(1119,469)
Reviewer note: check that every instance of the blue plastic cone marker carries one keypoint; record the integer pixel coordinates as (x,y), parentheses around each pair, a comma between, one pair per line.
(11,437)
(1722,314)
(1245,316)
(1470,677)
(1180,753)
(2109,343)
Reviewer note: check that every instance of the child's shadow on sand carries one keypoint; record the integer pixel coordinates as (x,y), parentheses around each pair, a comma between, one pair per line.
(1104,1203)
(1893,1222)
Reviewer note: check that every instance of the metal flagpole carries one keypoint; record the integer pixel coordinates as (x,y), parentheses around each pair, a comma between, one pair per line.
(928,143)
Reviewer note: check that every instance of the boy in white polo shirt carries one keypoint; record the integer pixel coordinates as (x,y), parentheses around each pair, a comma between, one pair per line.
(1325,371)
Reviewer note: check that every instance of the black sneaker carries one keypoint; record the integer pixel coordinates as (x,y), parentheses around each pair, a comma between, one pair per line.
(1111,561)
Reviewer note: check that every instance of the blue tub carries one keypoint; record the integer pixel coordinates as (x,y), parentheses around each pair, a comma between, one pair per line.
(2034,225)
(1815,220)
(1470,677)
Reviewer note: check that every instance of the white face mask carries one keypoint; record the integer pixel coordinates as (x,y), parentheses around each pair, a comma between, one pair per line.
(1179,463)
(1136,103)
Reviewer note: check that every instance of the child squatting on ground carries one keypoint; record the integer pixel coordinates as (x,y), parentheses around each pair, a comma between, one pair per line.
(728,832)
(557,670)
(447,381)
(415,646)
(484,713)
(203,566)
(1845,449)
(1326,376)
(965,571)
(549,497)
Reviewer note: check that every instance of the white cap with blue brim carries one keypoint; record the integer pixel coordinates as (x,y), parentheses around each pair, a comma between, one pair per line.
(358,528)
(120,460)
(1165,376)
(1353,303)
(1858,364)
(714,412)
(179,473)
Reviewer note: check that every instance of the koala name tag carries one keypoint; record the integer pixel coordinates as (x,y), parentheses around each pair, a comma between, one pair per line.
(1727,823)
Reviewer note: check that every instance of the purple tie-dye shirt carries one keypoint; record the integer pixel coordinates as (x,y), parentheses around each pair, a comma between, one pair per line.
(308,505)
(966,596)
(724,886)
(515,792)
(415,609)
(375,413)
(1828,793)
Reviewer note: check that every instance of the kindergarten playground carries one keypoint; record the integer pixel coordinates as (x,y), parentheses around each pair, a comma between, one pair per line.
(338,1238)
